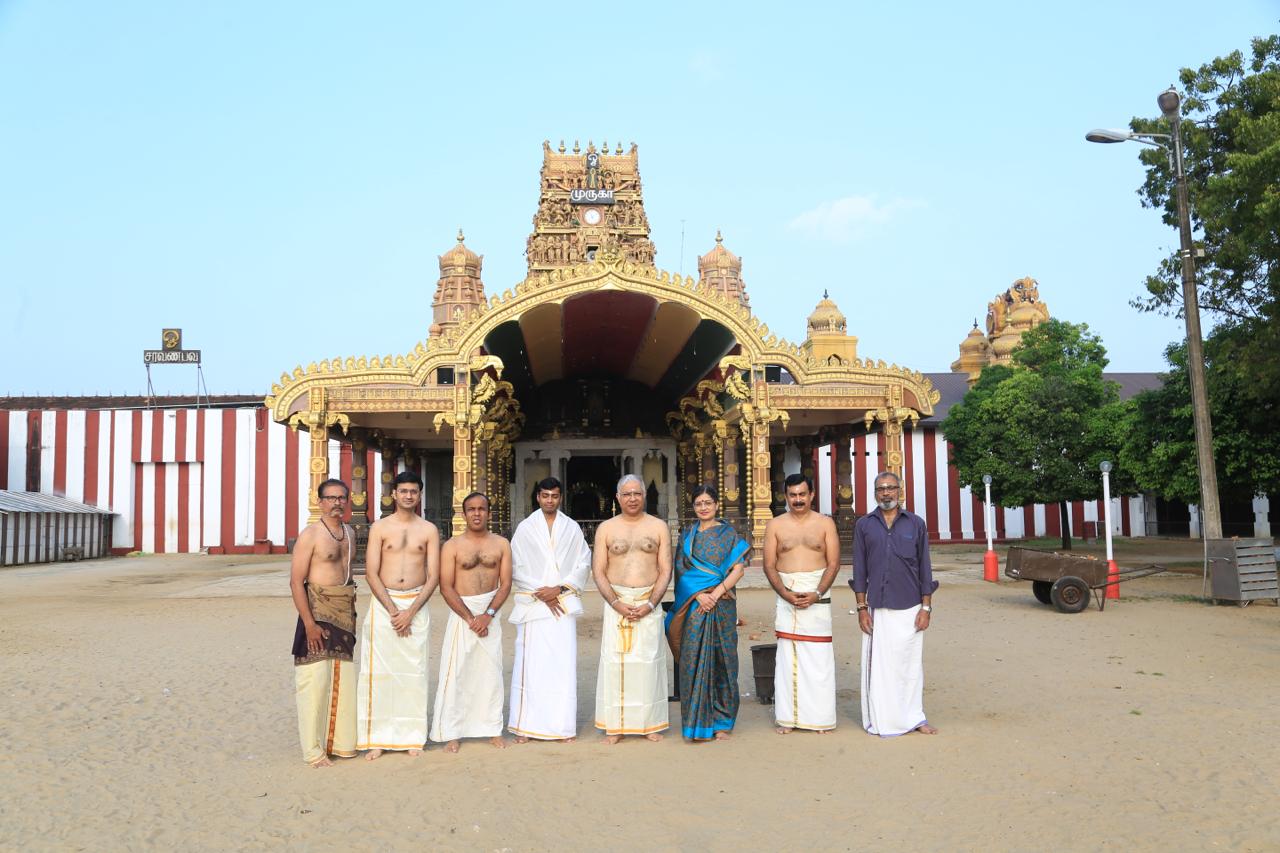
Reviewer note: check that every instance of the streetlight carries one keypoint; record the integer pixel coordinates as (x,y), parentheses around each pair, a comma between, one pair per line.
(1113,573)
(1169,101)
(990,565)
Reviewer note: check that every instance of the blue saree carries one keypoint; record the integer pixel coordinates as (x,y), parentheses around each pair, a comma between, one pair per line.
(705,645)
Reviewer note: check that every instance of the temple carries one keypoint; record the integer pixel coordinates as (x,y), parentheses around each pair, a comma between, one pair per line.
(600,364)
(1009,315)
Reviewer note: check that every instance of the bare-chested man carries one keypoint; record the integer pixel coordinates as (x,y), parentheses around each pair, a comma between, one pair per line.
(801,559)
(475,580)
(323,643)
(402,566)
(632,567)
(549,565)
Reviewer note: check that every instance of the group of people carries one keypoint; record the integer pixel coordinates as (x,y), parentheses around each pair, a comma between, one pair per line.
(543,571)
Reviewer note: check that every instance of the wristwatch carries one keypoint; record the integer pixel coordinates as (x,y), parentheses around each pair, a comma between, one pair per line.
(927,608)
(491,612)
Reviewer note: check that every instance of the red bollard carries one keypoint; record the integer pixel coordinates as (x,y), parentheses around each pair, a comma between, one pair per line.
(1113,579)
(990,567)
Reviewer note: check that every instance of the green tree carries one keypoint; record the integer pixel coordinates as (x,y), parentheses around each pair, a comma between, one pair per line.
(1231,141)
(1041,427)
(1159,443)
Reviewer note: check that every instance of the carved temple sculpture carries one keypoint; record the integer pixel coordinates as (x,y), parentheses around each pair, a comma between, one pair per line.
(1011,313)
(599,364)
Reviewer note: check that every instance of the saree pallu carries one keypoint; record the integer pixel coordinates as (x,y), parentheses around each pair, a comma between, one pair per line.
(705,645)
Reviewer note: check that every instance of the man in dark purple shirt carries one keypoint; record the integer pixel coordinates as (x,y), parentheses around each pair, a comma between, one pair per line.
(893,583)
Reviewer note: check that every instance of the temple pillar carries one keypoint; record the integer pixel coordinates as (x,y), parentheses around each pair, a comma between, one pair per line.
(777,479)
(462,474)
(806,446)
(318,429)
(842,488)
(359,480)
(731,478)
(759,459)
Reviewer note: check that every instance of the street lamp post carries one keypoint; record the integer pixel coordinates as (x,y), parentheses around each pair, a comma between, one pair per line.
(1169,101)
(990,564)
(1113,572)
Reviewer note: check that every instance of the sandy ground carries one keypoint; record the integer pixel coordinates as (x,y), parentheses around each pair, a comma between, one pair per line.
(149,703)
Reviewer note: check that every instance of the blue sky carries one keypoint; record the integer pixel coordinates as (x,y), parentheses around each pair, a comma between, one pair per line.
(279,178)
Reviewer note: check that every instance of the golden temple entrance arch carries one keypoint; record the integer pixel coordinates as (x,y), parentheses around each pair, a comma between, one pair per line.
(454,396)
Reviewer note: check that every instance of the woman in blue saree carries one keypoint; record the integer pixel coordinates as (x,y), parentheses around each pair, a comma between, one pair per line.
(702,626)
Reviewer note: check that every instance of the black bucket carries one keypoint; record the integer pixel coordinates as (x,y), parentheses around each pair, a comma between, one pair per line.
(763,660)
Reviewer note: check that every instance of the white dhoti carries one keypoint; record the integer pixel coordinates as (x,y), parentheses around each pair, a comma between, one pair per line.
(326,709)
(631,689)
(893,673)
(544,679)
(469,694)
(804,695)
(391,703)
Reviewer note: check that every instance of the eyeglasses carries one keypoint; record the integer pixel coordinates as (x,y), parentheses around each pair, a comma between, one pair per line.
(631,494)
(334,498)
(886,488)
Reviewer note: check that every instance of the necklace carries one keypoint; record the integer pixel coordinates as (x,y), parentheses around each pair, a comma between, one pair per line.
(341,538)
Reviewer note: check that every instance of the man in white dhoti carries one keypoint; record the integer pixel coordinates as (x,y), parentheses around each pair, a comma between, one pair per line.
(549,565)
(402,567)
(801,559)
(893,582)
(475,580)
(632,567)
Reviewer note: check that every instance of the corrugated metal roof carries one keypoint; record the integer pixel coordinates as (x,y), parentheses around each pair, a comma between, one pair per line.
(38,502)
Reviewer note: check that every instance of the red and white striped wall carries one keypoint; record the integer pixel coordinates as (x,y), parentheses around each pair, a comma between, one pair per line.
(932,490)
(179,480)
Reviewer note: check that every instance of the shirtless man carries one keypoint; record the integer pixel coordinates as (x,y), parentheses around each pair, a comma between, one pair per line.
(801,559)
(475,580)
(632,567)
(402,566)
(323,643)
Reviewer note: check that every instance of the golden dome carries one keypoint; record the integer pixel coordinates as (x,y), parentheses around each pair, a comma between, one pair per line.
(1024,314)
(719,258)
(460,260)
(974,342)
(826,317)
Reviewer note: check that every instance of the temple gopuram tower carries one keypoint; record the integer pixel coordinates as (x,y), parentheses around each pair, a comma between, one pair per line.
(590,202)
(459,292)
(721,271)
(1009,316)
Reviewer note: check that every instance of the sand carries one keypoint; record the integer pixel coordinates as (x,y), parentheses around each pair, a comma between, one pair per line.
(148,703)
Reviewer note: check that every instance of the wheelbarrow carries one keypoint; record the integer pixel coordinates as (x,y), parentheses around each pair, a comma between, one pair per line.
(1066,581)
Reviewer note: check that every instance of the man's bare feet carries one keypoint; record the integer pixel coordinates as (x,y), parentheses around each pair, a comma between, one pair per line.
(783,730)
(654,736)
(569,740)
(451,746)
(723,735)
(324,761)
(373,755)
(612,739)
(823,731)
(926,729)
(498,742)
(520,739)
(414,753)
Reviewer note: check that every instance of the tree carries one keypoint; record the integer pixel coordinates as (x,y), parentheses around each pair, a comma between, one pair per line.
(1231,141)
(1041,427)
(1159,443)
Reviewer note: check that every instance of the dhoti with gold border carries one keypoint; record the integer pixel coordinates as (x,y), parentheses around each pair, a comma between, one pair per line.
(325,681)
(804,695)
(893,673)
(469,693)
(631,689)
(391,701)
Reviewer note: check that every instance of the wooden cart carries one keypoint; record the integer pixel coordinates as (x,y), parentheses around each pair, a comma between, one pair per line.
(1066,580)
